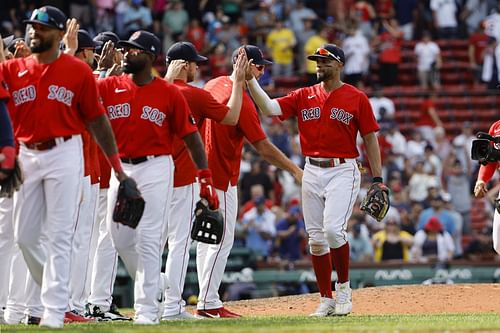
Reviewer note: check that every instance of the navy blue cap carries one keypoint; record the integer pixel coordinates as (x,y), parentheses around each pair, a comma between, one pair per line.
(105,36)
(143,40)
(253,53)
(49,16)
(328,51)
(184,51)
(85,41)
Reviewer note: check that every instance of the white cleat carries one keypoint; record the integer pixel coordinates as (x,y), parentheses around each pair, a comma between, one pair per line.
(343,293)
(51,323)
(180,316)
(143,320)
(326,308)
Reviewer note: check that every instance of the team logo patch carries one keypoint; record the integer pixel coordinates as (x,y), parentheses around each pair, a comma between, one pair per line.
(341,115)
(135,35)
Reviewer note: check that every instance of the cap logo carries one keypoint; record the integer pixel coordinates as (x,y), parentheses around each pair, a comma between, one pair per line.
(136,35)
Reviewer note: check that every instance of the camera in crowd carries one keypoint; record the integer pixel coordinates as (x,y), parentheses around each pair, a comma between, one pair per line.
(483,148)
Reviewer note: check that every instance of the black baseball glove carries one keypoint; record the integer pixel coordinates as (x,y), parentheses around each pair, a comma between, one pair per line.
(13,181)
(376,203)
(208,225)
(129,204)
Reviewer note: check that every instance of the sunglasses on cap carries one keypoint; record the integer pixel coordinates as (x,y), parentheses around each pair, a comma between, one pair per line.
(38,15)
(324,52)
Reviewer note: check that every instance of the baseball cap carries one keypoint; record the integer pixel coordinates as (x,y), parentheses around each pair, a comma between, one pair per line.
(184,51)
(105,36)
(49,16)
(85,41)
(328,51)
(253,53)
(143,40)
(433,225)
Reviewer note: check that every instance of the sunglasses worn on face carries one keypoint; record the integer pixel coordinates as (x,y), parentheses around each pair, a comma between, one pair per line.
(259,67)
(324,52)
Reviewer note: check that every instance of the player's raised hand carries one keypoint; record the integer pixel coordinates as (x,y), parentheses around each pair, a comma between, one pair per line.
(241,66)
(115,70)
(22,50)
(106,60)
(70,38)
(174,69)
(248,72)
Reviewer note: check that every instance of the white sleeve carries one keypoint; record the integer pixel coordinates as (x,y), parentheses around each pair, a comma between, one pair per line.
(266,105)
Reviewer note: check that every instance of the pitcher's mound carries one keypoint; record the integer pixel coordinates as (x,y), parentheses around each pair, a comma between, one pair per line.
(409,299)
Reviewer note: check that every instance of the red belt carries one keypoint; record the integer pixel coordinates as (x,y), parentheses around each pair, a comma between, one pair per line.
(330,163)
(48,144)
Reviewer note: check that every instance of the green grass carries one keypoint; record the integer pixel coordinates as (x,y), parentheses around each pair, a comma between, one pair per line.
(387,323)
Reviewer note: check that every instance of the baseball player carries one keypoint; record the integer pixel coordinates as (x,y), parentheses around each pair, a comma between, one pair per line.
(105,261)
(146,112)
(183,58)
(51,155)
(224,148)
(485,174)
(330,114)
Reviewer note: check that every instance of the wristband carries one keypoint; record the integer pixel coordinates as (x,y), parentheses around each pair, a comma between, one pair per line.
(377,180)
(115,162)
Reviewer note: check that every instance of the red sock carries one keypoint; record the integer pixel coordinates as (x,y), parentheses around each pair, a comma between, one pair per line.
(340,258)
(323,269)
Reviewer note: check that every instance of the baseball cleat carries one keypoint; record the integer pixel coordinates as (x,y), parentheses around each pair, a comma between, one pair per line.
(143,320)
(94,311)
(74,317)
(343,293)
(32,320)
(325,308)
(180,316)
(216,313)
(51,323)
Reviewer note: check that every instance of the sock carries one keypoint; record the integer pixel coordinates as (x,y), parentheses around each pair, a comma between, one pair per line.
(323,269)
(340,258)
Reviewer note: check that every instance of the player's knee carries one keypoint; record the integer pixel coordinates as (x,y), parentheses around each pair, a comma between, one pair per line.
(318,248)
(336,238)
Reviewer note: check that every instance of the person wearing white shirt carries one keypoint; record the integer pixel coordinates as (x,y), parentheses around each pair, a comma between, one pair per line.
(428,61)
(443,12)
(356,51)
(378,102)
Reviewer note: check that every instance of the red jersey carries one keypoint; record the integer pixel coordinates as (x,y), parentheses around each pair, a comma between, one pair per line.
(145,118)
(224,143)
(390,48)
(4,94)
(104,170)
(202,105)
(48,102)
(480,41)
(329,122)
(425,118)
(487,171)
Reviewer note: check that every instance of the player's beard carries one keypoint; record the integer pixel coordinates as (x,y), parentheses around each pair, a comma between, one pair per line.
(133,67)
(324,76)
(43,46)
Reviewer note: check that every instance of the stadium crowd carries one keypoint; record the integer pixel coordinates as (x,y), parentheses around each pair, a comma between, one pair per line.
(430,173)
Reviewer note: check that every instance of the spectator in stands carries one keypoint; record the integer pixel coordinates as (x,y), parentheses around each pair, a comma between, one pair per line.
(82,10)
(357,52)
(415,146)
(290,233)
(428,118)
(256,191)
(445,21)
(264,21)
(405,14)
(457,182)
(310,47)
(121,8)
(175,21)
(258,226)
(302,38)
(437,209)
(196,34)
(389,44)
(478,41)
(407,220)
(463,145)
(137,17)
(480,248)
(257,175)
(378,101)
(433,164)
(362,13)
(428,62)
(278,135)
(229,34)
(473,13)
(384,9)
(391,243)
(458,221)
(442,145)
(493,23)
(491,61)
(218,61)
(299,15)
(420,182)
(360,246)
(280,42)
(433,244)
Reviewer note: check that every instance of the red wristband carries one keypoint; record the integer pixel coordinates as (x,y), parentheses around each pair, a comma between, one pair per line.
(115,162)
(10,157)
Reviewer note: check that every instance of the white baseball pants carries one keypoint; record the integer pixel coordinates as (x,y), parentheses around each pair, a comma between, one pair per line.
(178,235)
(496,230)
(140,249)
(51,189)
(211,259)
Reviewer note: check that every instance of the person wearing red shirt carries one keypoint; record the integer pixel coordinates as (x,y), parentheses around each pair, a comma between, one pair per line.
(51,153)
(428,119)
(224,149)
(478,42)
(183,59)
(330,115)
(485,174)
(389,43)
(145,113)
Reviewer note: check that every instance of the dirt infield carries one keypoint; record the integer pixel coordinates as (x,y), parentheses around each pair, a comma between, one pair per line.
(408,299)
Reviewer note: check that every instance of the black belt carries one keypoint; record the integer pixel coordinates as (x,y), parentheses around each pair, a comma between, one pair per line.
(48,144)
(330,163)
(137,160)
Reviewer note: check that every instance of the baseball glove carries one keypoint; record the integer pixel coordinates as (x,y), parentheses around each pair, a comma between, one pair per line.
(208,225)
(376,203)
(13,181)
(129,204)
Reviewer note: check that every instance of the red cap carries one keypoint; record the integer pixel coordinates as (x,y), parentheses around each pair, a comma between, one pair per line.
(433,225)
